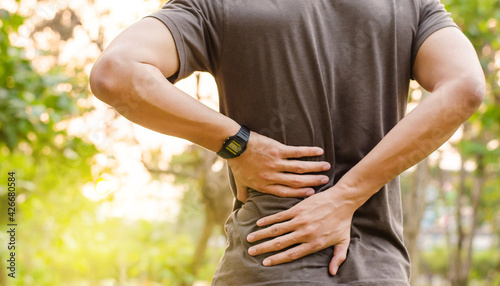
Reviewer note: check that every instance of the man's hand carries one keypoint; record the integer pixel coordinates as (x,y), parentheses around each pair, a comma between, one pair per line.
(447,66)
(265,167)
(131,75)
(316,223)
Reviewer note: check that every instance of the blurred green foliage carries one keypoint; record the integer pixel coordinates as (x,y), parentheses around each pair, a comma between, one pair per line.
(435,263)
(63,241)
(31,103)
(478,147)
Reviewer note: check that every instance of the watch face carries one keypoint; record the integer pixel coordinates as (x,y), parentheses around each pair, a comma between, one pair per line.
(234,147)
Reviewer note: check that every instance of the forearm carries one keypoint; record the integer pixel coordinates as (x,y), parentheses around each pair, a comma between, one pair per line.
(415,137)
(142,94)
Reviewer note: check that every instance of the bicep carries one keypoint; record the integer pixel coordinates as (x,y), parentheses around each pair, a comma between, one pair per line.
(446,55)
(148,41)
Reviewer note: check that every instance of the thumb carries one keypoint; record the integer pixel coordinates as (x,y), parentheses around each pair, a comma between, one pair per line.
(339,256)
(241,191)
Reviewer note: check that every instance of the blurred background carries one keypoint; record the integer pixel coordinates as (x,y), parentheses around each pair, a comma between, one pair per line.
(102,201)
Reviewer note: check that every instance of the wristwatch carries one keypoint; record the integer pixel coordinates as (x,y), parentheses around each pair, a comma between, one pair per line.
(236,144)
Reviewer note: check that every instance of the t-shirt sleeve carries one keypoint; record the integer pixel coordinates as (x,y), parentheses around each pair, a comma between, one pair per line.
(197,29)
(432,17)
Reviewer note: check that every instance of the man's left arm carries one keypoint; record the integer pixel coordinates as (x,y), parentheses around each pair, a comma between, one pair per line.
(447,66)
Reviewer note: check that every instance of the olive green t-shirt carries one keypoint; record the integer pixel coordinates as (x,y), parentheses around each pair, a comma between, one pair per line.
(327,73)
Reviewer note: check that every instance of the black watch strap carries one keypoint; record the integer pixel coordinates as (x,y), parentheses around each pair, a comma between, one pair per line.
(236,144)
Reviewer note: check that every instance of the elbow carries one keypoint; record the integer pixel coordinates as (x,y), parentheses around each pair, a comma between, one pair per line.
(469,92)
(105,77)
(473,91)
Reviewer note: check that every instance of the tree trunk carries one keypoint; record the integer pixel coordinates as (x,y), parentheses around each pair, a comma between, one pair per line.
(477,191)
(201,246)
(456,260)
(462,257)
(456,254)
(414,207)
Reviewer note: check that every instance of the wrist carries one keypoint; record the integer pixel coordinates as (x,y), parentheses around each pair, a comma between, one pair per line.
(236,144)
(220,135)
(351,194)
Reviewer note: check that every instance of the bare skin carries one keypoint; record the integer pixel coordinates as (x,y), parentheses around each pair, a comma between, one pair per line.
(131,75)
(447,66)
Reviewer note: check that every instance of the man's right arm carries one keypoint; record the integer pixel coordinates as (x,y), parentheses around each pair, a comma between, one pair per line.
(131,75)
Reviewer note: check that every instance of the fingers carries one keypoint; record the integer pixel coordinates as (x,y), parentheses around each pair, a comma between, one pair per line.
(298,152)
(301,167)
(288,192)
(275,218)
(273,245)
(272,231)
(339,256)
(241,191)
(291,254)
(299,181)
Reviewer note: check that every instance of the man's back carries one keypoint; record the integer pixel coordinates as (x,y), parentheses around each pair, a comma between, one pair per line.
(325,73)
